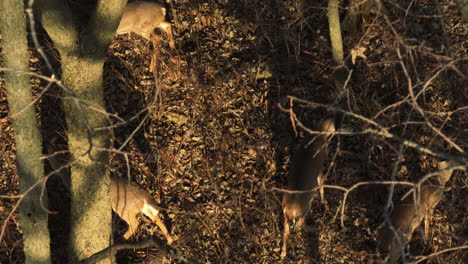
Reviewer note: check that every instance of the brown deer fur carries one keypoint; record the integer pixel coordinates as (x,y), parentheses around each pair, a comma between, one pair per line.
(128,200)
(405,218)
(142,18)
(306,168)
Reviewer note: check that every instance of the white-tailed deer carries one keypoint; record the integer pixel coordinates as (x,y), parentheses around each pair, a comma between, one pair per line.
(128,200)
(406,217)
(305,170)
(142,18)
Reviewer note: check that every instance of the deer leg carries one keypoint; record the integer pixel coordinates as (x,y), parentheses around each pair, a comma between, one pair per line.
(154,56)
(166,27)
(321,181)
(152,67)
(163,228)
(427,221)
(300,223)
(394,255)
(133,223)
(285,237)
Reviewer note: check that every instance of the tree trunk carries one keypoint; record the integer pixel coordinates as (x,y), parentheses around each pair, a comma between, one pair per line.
(30,168)
(82,55)
(91,217)
(335,31)
(339,74)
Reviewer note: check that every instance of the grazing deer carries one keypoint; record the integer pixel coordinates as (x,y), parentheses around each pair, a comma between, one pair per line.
(306,168)
(406,217)
(142,18)
(128,200)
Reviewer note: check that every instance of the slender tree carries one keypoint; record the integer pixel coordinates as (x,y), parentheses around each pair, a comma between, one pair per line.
(335,31)
(30,168)
(82,41)
(339,75)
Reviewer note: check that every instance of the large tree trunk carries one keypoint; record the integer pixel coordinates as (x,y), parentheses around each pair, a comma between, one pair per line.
(30,168)
(91,207)
(82,55)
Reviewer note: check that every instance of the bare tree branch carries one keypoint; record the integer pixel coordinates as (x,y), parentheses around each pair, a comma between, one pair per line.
(153,242)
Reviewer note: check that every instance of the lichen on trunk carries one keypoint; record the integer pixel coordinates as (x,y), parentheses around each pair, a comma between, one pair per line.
(82,46)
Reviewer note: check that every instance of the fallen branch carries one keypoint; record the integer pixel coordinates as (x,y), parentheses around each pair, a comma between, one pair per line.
(152,242)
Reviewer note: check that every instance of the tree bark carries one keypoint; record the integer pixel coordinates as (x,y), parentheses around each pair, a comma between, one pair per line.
(335,31)
(33,218)
(340,73)
(82,57)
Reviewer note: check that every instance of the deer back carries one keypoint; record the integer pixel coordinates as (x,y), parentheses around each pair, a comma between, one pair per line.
(141,18)
(128,199)
(307,166)
(407,216)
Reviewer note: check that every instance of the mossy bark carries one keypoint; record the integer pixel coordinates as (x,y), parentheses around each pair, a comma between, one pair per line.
(33,218)
(82,47)
(340,73)
(335,31)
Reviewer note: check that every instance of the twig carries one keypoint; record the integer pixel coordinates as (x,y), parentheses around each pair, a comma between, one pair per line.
(422,258)
(419,109)
(382,131)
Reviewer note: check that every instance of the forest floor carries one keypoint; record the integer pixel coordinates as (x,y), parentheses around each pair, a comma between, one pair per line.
(215,143)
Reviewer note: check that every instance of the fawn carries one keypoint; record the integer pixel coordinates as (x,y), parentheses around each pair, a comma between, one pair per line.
(128,200)
(142,18)
(306,169)
(405,218)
